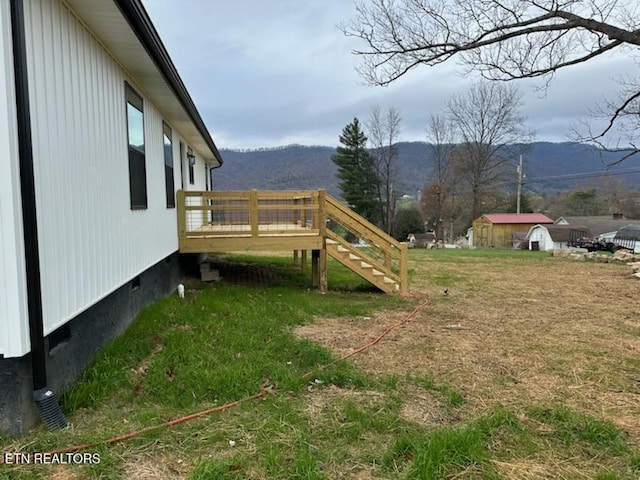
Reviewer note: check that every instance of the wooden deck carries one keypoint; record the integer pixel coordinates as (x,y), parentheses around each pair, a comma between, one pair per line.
(291,220)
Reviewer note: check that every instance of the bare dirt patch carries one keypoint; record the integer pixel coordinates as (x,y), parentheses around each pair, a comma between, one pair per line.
(242,273)
(513,332)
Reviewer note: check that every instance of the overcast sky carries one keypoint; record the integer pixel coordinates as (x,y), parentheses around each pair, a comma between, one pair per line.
(270,73)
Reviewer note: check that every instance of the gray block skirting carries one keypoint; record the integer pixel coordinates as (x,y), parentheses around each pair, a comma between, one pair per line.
(73,346)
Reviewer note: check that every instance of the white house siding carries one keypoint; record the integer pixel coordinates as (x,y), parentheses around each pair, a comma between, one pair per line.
(90,241)
(194,218)
(14,323)
(199,178)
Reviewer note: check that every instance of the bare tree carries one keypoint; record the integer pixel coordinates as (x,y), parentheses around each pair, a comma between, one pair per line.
(384,130)
(503,40)
(436,194)
(488,122)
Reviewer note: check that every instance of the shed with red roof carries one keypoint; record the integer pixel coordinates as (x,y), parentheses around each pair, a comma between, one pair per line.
(497,229)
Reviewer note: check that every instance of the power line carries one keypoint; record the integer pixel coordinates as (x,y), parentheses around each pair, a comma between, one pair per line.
(575,176)
(572,176)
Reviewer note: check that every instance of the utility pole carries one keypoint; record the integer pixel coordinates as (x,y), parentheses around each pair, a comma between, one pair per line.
(519,185)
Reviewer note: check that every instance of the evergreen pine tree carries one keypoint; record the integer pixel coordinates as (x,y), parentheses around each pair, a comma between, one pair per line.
(358,180)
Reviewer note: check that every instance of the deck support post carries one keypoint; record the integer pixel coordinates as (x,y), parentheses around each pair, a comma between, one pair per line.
(300,260)
(404,277)
(322,229)
(315,268)
(323,267)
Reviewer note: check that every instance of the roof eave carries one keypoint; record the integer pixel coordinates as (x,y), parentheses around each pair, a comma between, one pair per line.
(137,17)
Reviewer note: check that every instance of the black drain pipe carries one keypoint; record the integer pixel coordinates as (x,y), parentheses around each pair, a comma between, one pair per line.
(44,398)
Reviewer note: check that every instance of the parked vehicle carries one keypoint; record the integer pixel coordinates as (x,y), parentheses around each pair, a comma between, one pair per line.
(593,244)
(579,240)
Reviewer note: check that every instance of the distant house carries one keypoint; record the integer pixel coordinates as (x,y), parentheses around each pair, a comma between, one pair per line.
(628,237)
(601,226)
(496,229)
(421,240)
(554,237)
(97,135)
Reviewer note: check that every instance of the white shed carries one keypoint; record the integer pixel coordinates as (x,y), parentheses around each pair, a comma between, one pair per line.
(553,237)
(97,132)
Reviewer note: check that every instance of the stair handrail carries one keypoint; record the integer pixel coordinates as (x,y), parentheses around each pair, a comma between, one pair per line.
(368,229)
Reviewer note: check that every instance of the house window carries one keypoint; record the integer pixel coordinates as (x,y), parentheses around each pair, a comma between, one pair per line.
(168,166)
(191,160)
(137,166)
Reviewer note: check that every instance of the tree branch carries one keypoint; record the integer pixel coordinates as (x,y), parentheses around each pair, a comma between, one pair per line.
(399,39)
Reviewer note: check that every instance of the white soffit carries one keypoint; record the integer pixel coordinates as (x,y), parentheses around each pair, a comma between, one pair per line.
(107,23)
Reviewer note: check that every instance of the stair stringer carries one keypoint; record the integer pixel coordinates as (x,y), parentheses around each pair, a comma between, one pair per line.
(367,268)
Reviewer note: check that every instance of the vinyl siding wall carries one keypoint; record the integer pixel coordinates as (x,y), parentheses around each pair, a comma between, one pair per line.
(90,241)
(14,324)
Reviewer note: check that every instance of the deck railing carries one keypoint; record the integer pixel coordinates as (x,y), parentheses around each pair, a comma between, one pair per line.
(250,213)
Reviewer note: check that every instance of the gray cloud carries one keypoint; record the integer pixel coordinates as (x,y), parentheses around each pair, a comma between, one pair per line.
(272,73)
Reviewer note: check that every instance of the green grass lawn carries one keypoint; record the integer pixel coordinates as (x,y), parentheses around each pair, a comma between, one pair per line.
(224,341)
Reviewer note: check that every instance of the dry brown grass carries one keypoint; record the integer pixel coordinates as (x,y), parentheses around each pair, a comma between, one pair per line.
(64,472)
(513,332)
(145,467)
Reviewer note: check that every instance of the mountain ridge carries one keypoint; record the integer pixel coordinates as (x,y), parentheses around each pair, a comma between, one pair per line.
(295,166)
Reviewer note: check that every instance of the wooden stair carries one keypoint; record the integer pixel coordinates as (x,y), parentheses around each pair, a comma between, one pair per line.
(382,259)
(351,258)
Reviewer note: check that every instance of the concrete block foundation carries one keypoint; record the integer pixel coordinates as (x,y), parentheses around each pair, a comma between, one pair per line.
(73,346)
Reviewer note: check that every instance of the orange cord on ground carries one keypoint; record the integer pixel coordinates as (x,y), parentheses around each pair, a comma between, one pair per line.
(372,342)
(264,391)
